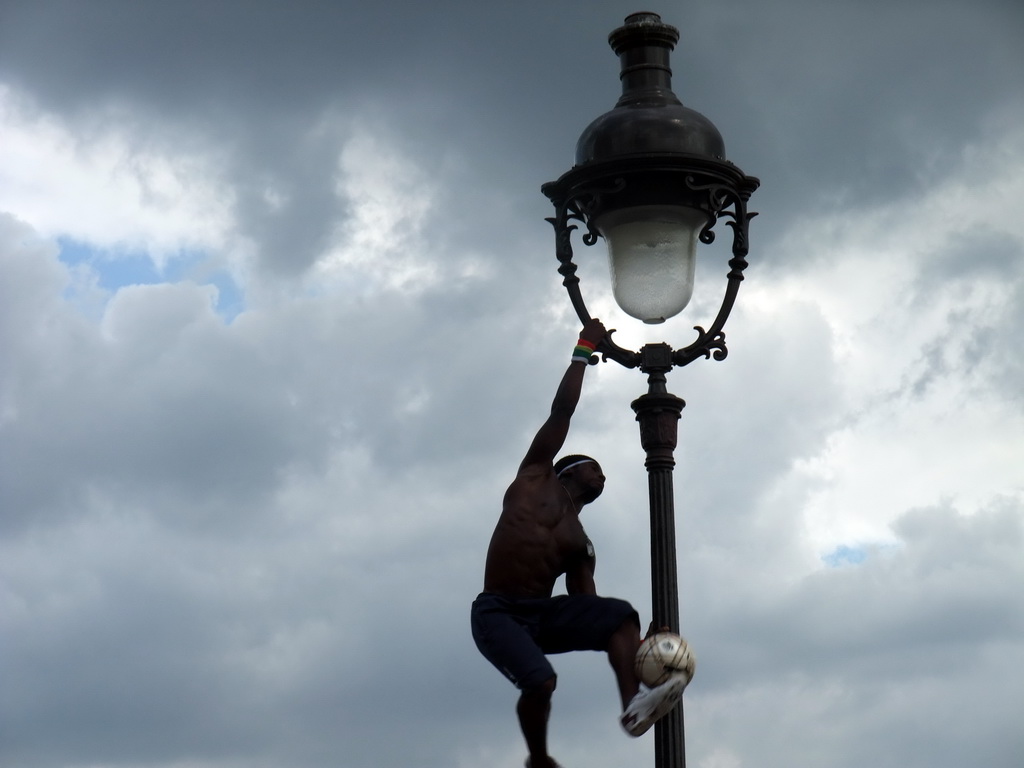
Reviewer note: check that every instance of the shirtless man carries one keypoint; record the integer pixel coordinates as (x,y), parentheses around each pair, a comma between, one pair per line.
(539,537)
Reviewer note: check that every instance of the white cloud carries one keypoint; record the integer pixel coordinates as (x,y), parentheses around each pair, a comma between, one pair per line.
(906,322)
(116,185)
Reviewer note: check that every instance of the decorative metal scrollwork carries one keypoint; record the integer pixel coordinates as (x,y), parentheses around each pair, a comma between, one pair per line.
(573,209)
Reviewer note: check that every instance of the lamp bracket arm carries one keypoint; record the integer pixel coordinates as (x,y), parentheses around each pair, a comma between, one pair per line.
(712,341)
(729,201)
(566,211)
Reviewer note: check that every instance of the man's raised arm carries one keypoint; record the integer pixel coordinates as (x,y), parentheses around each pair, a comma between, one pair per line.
(551,436)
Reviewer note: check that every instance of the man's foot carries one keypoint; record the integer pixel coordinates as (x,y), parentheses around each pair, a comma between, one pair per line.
(550,764)
(652,704)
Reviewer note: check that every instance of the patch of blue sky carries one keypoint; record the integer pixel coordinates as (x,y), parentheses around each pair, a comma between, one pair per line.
(117,269)
(844,555)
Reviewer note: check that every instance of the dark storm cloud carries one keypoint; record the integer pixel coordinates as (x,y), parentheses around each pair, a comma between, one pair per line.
(839,102)
(863,119)
(259,81)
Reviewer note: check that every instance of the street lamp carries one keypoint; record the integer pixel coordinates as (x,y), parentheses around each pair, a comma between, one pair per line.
(651,179)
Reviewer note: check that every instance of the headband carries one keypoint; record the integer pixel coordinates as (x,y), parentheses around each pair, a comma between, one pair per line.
(565,469)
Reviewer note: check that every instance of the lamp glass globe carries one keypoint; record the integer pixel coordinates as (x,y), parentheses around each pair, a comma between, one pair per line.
(652,252)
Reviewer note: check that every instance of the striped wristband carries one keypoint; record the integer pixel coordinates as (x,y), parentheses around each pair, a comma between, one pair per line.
(583,351)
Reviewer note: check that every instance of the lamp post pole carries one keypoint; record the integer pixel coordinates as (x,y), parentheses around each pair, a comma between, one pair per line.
(658,413)
(652,180)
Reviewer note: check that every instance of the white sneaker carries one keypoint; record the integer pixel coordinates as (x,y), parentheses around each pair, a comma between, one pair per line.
(652,704)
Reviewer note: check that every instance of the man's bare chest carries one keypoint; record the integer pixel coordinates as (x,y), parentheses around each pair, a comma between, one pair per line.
(571,539)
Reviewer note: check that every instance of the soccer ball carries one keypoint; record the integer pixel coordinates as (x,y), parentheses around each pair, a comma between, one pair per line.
(661,656)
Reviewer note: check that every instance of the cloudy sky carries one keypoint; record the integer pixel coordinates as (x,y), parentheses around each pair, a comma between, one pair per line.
(279,315)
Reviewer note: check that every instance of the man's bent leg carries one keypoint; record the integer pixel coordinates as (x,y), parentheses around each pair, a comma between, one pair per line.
(506,642)
(622,648)
(640,709)
(533,708)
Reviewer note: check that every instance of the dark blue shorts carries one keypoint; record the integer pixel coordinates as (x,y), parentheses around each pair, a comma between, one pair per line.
(515,634)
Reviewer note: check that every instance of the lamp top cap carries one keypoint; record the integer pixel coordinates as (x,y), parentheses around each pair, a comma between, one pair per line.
(648,118)
(643,28)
